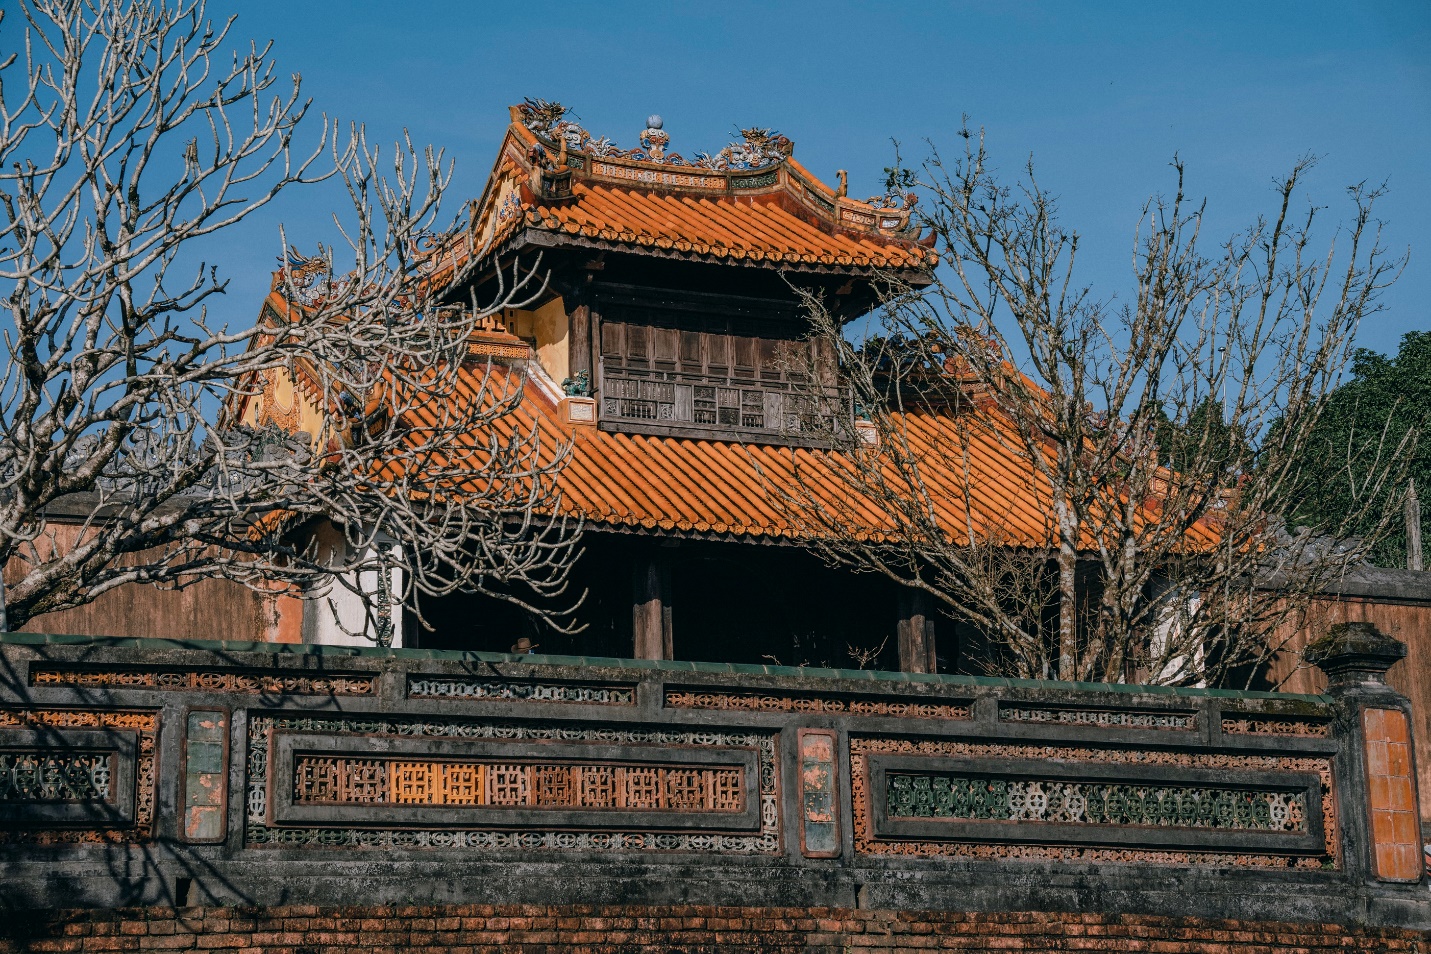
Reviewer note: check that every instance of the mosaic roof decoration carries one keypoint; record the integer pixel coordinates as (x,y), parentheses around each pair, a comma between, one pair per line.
(758,149)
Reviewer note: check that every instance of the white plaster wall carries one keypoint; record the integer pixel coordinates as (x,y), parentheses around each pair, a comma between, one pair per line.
(338,618)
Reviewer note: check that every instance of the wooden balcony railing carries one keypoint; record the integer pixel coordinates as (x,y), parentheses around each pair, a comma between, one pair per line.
(744,408)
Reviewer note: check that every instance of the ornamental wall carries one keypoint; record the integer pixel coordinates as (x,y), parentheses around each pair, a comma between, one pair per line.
(153,773)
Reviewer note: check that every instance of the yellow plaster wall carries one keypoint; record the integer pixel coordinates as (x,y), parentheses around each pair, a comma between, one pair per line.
(553,349)
(548,328)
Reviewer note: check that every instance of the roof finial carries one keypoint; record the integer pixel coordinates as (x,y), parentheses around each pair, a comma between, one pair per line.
(653,139)
(844,178)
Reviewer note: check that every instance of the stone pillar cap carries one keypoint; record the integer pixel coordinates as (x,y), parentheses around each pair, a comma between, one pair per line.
(1355,650)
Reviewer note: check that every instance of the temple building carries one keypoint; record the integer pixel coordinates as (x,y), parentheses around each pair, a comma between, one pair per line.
(670,351)
(674,321)
(670,347)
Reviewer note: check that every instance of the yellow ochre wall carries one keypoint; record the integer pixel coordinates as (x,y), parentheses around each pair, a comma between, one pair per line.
(549,328)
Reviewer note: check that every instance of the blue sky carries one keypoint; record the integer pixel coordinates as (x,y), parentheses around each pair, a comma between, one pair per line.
(1100,94)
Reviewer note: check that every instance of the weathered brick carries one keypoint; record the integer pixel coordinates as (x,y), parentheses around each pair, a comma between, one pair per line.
(57,945)
(547,929)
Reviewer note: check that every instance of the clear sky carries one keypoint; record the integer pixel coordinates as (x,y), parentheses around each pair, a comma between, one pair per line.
(1100,93)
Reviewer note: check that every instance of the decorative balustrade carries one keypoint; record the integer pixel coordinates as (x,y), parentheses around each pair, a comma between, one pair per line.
(241,763)
(637,399)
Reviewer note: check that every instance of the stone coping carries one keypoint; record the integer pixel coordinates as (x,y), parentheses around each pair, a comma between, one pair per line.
(607,662)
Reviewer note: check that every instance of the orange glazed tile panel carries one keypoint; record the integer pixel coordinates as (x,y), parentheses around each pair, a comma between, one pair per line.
(1395,824)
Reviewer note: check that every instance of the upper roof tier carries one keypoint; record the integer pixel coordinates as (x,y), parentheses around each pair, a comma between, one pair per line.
(554,184)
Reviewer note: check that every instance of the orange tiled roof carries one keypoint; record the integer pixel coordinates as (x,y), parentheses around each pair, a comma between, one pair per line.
(675,484)
(754,229)
(693,485)
(752,203)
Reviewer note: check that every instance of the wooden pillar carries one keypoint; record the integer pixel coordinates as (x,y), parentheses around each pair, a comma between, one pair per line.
(916,633)
(579,360)
(651,605)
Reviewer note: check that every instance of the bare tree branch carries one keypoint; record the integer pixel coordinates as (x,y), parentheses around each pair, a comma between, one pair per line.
(1151,443)
(128,131)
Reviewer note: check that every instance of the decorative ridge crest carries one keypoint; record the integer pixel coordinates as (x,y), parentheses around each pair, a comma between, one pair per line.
(760,147)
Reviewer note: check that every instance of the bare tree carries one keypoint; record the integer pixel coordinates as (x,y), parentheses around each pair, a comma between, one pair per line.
(1128,526)
(130,133)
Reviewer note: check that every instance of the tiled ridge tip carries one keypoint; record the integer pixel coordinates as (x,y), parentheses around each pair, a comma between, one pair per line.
(608,662)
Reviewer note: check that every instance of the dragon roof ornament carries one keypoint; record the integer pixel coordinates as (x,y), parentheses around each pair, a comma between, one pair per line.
(758,149)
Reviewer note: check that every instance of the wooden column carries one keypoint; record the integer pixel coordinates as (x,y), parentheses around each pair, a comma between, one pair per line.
(916,633)
(579,323)
(651,605)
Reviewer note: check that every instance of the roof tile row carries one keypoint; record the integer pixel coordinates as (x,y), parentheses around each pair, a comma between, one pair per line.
(756,228)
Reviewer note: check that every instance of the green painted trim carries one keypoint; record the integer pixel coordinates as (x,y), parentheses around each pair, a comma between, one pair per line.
(602,662)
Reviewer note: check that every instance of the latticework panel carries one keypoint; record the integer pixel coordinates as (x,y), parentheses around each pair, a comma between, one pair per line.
(1093,803)
(1250,724)
(663,787)
(1101,718)
(144,724)
(994,803)
(332,780)
(813,703)
(36,776)
(205,680)
(525,691)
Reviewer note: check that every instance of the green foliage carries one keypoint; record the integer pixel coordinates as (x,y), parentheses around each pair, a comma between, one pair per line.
(898,180)
(1204,443)
(1385,394)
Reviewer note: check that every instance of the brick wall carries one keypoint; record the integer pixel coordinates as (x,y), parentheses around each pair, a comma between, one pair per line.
(533,929)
